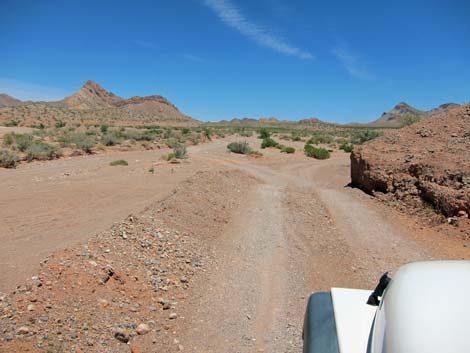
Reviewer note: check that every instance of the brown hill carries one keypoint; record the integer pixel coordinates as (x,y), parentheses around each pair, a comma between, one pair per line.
(8,101)
(397,116)
(93,104)
(425,163)
(91,96)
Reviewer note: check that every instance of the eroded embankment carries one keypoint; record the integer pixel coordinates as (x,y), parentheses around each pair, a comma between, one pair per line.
(425,163)
(122,290)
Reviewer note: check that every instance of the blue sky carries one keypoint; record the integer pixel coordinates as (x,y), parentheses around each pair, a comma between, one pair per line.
(218,59)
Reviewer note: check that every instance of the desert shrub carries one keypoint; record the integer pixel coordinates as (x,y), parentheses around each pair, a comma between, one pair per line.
(59,124)
(42,151)
(288,149)
(119,162)
(180,151)
(84,143)
(279,146)
(317,153)
(110,139)
(317,139)
(246,133)
(239,147)
(8,159)
(410,119)
(207,132)
(9,139)
(346,147)
(185,130)
(365,135)
(12,123)
(23,141)
(104,128)
(195,138)
(264,133)
(169,156)
(268,142)
(78,140)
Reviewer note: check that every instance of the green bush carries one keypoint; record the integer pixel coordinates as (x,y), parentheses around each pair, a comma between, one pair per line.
(365,135)
(207,132)
(104,128)
(8,159)
(78,140)
(239,147)
(119,162)
(317,153)
(59,124)
(246,133)
(346,147)
(109,139)
(12,123)
(317,139)
(42,151)
(169,156)
(410,119)
(288,149)
(264,134)
(23,141)
(9,139)
(268,142)
(180,151)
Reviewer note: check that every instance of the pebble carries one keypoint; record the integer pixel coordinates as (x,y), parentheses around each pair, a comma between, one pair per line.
(23,330)
(142,329)
(31,307)
(121,335)
(173,316)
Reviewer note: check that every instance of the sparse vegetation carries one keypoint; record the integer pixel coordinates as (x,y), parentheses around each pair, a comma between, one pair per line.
(180,151)
(268,142)
(288,149)
(347,147)
(109,139)
(42,151)
(60,124)
(119,162)
(264,134)
(8,159)
(410,120)
(315,152)
(239,147)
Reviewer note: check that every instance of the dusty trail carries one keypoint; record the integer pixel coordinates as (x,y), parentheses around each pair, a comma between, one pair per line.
(300,231)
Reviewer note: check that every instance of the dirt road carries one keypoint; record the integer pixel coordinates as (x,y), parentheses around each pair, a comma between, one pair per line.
(300,229)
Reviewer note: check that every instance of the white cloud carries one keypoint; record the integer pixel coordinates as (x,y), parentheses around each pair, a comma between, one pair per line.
(193,58)
(230,14)
(351,63)
(31,91)
(144,44)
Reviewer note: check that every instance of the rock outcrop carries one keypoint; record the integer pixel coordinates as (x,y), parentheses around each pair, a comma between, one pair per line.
(427,162)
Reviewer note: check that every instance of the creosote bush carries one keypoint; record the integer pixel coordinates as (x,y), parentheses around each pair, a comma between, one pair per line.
(317,153)
(180,151)
(288,149)
(8,159)
(347,147)
(42,151)
(119,162)
(240,147)
(264,133)
(268,142)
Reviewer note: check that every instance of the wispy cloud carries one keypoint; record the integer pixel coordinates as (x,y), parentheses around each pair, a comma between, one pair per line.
(231,15)
(352,63)
(31,91)
(144,44)
(193,58)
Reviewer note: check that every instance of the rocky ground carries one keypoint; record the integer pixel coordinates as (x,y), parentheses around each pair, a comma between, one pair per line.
(122,290)
(424,168)
(223,261)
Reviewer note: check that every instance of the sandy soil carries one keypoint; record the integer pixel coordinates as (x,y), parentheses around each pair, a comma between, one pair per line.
(269,230)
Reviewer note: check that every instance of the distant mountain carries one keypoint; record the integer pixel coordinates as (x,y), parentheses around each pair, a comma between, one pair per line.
(397,116)
(8,101)
(93,103)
